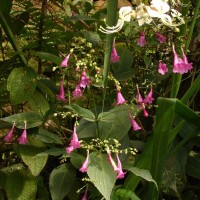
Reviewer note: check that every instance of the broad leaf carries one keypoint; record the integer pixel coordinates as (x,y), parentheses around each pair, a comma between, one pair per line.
(83,112)
(101,174)
(48,137)
(145,174)
(21,186)
(34,162)
(6,6)
(48,57)
(32,119)
(21,84)
(113,124)
(61,181)
(39,103)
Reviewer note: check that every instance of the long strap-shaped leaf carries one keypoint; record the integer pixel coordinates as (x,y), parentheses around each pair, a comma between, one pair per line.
(165,109)
(10,36)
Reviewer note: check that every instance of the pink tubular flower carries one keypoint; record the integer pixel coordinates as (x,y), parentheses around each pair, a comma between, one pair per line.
(85,195)
(85,80)
(77,93)
(114,56)
(162,68)
(135,126)
(61,96)
(161,38)
(23,138)
(84,167)
(120,173)
(75,143)
(143,103)
(141,40)
(111,160)
(8,137)
(64,63)
(120,98)
(181,66)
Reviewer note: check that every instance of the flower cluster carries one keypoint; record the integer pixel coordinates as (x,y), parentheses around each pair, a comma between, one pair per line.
(22,139)
(144,14)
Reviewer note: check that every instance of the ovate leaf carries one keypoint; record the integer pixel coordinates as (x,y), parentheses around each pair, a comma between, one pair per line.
(39,103)
(101,174)
(29,156)
(145,174)
(83,112)
(61,181)
(21,186)
(21,84)
(32,119)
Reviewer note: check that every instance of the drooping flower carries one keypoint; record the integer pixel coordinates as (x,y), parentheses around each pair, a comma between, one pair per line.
(84,166)
(120,98)
(125,14)
(75,143)
(77,93)
(114,56)
(141,40)
(120,173)
(85,195)
(134,124)
(181,66)
(143,103)
(112,162)
(61,95)
(160,38)
(85,80)
(162,68)
(8,137)
(23,138)
(64,63)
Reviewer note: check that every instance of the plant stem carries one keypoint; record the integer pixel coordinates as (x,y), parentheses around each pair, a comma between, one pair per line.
(10,36)
(111,21)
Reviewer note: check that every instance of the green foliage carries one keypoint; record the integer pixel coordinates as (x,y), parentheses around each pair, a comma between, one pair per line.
(21,185)
(101,174)
(34,40)
(21,84)
(61,181)
(30,157)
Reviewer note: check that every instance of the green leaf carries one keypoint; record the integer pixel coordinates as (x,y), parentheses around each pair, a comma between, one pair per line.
(39,103)
(32,119)
(147,61)
(83,112)
(29,156)
(61,181)
(47,56)
(48,137)
(92,37)
(101,174)
(53,152)
(122,70)
(113,124)
(126,194)
(21,83)
(6,6)
(3,179)
(21,186)
(145,174)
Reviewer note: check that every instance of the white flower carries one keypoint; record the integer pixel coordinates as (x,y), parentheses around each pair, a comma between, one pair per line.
(125,14)
(158,9)
(142,16)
